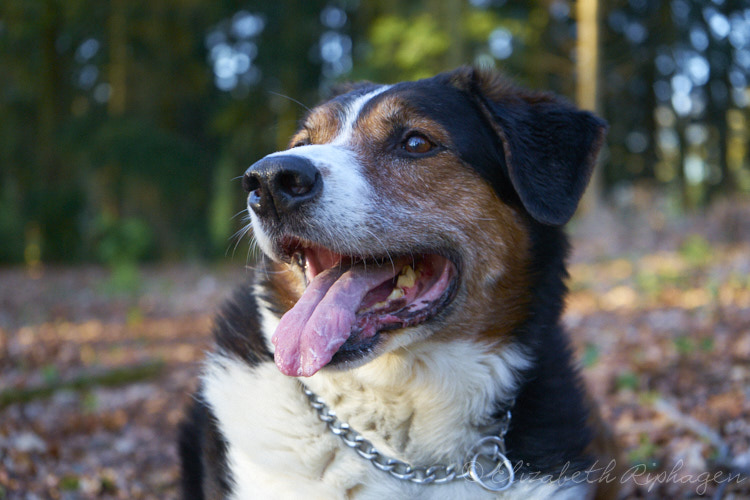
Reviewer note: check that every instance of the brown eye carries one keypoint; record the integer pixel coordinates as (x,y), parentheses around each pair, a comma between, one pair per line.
(301,142)
(417,144)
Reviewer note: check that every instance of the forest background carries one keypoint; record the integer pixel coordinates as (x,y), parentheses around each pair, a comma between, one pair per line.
(124,128)
(125,124)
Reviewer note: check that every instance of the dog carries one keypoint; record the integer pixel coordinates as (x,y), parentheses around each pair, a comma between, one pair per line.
(402,336)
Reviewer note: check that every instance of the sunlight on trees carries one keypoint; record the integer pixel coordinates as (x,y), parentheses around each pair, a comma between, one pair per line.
(115,111)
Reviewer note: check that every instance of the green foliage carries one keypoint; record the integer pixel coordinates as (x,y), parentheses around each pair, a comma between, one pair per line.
(627,380)
(113,107)
(707,344)
(649,282)
(50,374)
(70,483)
(135,316)
(223,206)
(412,46)
(11,223)
(696,250)
(121,241)
(684,345)
(643,455)
(90,402)
(125,279)
(116,377)
(590,355)
(121,244)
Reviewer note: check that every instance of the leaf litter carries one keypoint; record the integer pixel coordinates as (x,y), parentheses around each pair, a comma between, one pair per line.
(93,380)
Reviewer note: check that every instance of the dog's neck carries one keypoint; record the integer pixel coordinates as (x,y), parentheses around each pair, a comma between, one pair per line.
(426,404)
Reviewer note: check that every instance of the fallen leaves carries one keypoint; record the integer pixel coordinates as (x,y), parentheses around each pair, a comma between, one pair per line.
(669,325)
(92,384)
(91,392)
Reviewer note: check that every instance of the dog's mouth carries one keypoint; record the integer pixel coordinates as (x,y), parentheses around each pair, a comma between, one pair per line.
(350,301)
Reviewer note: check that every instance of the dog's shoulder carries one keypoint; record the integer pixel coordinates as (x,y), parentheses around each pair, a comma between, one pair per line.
(202,448)
(238,328)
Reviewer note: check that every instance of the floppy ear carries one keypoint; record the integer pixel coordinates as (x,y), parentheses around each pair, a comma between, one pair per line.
(550,147)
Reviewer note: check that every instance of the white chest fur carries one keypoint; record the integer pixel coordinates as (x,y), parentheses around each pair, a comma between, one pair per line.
(278,448)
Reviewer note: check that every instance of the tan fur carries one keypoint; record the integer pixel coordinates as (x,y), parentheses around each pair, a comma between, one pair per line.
(320,127)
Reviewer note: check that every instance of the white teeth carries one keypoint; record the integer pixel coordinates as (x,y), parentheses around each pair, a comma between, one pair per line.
(396,293)
(406,278)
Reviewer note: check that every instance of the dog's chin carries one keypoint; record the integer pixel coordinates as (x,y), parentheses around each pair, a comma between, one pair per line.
(354,353)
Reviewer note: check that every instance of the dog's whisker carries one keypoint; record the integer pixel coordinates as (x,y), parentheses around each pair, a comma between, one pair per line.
(289,98)
(243,211)
(239,235)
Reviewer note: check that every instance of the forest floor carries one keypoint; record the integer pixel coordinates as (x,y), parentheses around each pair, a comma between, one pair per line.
(95,368)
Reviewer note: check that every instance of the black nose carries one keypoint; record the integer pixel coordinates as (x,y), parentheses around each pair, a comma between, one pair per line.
(280,184)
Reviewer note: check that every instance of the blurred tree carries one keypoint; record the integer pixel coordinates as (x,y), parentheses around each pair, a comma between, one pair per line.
(686,64)
(588,82)
(129,114)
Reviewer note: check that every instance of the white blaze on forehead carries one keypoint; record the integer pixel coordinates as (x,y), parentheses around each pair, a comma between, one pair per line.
(353,110)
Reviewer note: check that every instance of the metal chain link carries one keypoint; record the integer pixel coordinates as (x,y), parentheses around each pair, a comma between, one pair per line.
(491,448)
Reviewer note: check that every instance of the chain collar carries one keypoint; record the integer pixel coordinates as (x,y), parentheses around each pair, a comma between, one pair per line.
(488,453)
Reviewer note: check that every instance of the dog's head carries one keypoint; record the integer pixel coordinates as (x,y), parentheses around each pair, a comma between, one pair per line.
(405,212)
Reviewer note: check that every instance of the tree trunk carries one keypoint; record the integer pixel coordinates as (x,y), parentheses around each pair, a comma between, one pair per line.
(587,84)
(50,100)
(118,57)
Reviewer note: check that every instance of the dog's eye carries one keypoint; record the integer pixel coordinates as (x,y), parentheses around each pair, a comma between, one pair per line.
(416,143)
(301,142)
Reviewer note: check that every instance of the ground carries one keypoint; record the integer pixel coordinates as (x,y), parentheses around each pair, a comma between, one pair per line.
(96,366)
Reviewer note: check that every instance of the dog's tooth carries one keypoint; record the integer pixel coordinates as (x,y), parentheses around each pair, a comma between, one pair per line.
(375,306)
(396,293)
(406,278)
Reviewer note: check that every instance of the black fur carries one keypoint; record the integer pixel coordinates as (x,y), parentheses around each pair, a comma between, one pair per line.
(237,329)
(205,475)
(549,155)
(549,429)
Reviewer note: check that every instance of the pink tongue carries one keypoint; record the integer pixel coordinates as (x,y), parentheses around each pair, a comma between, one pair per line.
(311,332)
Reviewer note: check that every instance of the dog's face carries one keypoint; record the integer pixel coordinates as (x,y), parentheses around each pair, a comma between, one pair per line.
(401,213)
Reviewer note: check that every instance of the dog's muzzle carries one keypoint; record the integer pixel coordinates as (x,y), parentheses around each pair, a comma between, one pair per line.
(278,185)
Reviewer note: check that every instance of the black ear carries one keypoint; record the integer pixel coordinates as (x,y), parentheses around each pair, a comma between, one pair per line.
(550,147)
